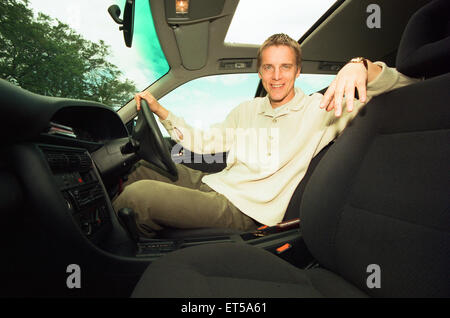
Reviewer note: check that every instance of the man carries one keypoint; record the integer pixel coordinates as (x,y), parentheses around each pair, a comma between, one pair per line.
(270,141)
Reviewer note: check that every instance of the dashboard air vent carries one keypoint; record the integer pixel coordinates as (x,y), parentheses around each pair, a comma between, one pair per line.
(68,161)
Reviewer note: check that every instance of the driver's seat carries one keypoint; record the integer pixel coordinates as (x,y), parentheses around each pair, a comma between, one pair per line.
(375,213)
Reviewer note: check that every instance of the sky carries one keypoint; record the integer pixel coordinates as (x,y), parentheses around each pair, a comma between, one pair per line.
(144,62)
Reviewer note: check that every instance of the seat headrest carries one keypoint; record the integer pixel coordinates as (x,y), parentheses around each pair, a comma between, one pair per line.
(424,49)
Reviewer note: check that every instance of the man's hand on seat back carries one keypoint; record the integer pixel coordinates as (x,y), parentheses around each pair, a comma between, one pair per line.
(351,76)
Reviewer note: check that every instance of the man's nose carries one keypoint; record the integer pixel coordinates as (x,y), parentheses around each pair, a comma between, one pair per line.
(276,74)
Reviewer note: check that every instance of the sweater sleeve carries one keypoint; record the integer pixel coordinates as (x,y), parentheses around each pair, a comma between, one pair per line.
(215,139)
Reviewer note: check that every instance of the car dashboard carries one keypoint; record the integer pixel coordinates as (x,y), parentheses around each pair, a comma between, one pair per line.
(52,142)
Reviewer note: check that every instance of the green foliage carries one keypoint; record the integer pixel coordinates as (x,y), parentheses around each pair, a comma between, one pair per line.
(47,57)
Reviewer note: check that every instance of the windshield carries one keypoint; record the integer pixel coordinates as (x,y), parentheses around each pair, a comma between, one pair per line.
(74,49)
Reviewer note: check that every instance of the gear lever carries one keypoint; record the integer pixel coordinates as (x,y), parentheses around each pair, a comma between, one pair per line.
(128,218)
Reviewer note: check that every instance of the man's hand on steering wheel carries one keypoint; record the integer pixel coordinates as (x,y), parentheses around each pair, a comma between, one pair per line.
(153,148)
(153,104)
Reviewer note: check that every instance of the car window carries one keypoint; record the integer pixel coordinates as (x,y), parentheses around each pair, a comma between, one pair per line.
(208,100)
(311,83)
(74,49)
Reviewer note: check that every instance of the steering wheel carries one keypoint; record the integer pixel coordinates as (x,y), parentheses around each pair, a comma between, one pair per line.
(152,147)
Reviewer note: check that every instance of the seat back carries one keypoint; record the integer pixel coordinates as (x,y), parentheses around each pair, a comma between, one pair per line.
(380,196)
(294,204)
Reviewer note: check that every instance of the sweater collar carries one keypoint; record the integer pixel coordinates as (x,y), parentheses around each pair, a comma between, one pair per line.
(295,104)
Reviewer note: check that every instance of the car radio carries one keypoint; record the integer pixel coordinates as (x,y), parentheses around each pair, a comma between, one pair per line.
(75,177)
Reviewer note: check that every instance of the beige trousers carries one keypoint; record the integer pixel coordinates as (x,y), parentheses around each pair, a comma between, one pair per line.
(186,203)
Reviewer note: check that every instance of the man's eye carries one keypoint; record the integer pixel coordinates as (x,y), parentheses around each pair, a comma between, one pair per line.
(267,67)
(286,67)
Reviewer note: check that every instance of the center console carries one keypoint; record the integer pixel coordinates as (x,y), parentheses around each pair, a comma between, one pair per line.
(79,184)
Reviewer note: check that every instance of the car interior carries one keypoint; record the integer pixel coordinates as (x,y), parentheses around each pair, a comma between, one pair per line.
(378,194)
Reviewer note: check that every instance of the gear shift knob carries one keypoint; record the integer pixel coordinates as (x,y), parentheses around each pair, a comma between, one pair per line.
(128,218)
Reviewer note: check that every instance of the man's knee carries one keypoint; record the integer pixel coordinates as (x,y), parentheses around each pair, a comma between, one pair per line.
(142,197)
(137,192)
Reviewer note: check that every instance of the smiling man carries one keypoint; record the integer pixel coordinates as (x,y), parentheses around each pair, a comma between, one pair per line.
(270,142)
(279,67)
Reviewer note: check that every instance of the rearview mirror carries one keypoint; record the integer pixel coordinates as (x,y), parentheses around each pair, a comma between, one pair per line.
(127,23)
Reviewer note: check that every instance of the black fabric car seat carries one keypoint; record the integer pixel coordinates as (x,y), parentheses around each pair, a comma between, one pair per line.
(379,197)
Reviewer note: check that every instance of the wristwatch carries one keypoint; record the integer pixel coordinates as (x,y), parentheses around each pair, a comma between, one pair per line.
(360,60)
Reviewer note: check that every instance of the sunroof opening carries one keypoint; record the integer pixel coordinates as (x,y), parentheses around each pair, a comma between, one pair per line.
(254,21)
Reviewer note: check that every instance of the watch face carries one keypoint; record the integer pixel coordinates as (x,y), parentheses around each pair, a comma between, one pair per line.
(360,60)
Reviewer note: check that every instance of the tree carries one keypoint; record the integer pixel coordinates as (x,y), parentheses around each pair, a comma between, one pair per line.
(47,57)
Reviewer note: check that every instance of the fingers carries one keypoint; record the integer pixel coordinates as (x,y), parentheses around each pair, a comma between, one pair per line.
(137,98)
(328,96)
(338,96)
(333,97)
(142,95)
(343,86)
(331,106)
(349,96)
(152,103)
(362,92)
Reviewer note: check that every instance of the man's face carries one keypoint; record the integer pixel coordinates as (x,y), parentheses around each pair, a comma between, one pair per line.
(278,72)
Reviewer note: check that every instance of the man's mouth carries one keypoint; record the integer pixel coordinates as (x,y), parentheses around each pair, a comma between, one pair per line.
(276,85)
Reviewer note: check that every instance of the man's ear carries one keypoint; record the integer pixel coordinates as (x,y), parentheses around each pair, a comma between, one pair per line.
(259,75)
(298,72)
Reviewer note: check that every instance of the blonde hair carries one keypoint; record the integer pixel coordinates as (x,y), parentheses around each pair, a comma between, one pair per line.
(280,39)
